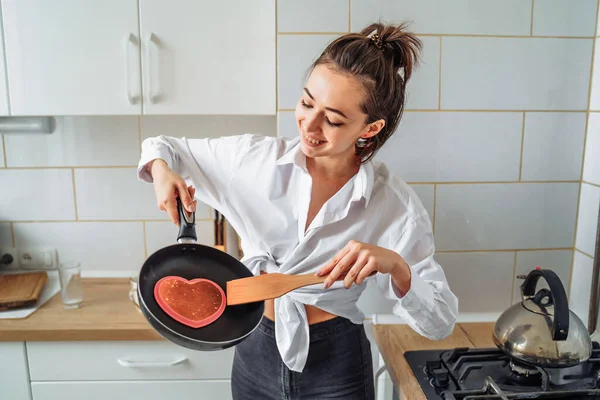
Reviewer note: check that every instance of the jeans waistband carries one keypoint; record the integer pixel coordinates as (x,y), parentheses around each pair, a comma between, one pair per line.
(317,331)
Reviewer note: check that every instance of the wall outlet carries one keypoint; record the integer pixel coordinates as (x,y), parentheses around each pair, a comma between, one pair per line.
(8,258)
(42,257)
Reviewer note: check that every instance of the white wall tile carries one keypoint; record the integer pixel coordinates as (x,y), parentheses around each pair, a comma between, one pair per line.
(510,73)
(100,246)
(444,147)
(200,126)
(286,124)
(564,17)
(587,221)
(78,141)
(558,261)
(5,235)
(493,273)
(505,216)
(581,286)
(312,16)
(34,195)
(482,17)
(553,146)
(426,195)
(423,88)
(595,95)
(161,234)
(116,193)
(591,168)
(295,55)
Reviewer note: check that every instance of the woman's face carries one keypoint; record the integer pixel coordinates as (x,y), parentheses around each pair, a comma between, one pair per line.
(329,116)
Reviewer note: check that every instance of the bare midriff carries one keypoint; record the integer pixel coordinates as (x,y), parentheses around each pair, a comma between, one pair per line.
(314,314)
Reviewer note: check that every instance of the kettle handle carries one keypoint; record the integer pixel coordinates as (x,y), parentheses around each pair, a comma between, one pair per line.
(560,324)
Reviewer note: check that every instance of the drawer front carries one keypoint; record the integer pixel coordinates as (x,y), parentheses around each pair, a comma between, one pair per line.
(156,390)
(126,360)
(14,382)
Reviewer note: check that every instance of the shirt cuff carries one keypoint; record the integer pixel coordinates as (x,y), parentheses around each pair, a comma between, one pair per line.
(149,155)
(411,301)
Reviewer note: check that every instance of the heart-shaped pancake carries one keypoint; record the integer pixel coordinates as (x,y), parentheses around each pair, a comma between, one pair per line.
(194,303)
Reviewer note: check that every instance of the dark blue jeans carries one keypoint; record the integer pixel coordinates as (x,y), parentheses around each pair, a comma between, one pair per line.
(339,365)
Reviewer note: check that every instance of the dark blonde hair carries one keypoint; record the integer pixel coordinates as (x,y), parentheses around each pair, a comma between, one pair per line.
(381,57)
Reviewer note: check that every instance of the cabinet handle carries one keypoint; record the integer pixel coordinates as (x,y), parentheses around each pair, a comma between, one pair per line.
(153,95)
(134,364)
(130,40)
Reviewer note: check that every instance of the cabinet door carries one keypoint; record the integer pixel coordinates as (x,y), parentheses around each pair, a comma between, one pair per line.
(208,57)
(3,90)
(72,57)
(14,377)
(153,390)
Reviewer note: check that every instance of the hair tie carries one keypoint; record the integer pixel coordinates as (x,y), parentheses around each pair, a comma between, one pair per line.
(375,38)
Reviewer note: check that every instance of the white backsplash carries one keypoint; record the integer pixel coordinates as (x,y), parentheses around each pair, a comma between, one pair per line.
(492,141)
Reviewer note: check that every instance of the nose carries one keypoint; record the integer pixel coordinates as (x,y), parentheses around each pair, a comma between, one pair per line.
(312,123)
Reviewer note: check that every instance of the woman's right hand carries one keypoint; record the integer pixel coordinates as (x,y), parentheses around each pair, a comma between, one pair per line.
(168,185)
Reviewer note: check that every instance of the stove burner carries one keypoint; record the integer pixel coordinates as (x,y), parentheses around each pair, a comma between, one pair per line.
(472,374)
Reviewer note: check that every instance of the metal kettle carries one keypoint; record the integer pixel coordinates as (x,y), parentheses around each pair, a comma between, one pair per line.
(541,330)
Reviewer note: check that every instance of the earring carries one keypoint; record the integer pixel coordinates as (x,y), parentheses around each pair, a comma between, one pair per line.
(361,142)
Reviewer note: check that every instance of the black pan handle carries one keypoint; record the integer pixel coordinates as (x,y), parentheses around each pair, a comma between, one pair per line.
(187,225)
(558,295)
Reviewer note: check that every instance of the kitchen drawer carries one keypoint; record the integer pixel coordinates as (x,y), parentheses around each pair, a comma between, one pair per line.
(124,360)
(155,390)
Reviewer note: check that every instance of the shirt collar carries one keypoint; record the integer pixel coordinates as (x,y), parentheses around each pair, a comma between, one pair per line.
(363,181)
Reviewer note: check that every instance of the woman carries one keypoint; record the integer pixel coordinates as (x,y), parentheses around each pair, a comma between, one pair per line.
(319,204)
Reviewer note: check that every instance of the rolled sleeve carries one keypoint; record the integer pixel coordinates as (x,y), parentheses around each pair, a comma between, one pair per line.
(429,306)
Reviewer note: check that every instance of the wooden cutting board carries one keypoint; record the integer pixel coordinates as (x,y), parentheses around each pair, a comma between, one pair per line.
(21,290)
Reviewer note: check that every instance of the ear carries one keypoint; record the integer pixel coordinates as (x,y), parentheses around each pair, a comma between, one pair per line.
(373,129)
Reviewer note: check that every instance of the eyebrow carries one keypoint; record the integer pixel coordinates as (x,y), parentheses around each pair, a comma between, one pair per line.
(327,108)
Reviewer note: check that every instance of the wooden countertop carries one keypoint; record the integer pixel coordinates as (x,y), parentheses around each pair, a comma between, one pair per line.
(106,313)
(394,340)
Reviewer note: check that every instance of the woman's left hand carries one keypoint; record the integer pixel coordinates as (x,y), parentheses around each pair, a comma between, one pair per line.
(358,260)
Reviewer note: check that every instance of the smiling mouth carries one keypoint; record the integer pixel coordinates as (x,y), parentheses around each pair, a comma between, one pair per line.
(311,140)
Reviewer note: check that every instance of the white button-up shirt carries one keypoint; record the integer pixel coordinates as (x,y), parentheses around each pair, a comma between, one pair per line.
(261,185)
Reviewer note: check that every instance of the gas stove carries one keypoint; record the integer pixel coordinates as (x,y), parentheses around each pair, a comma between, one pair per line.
(472,374)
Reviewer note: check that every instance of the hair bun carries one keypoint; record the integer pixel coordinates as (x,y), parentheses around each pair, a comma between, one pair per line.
(399,46)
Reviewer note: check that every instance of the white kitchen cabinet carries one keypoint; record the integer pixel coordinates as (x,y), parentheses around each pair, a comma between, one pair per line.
(14,376)
(154,390)
(124,360)
(3,89)
(208,57)
(72,57)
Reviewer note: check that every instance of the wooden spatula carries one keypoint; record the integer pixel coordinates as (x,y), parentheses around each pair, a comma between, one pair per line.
(269,286)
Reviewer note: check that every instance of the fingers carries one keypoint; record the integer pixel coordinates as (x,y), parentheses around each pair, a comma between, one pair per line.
(184,195)
(344,265)
(355,269)
(369,269)
(329,266)
(171,208)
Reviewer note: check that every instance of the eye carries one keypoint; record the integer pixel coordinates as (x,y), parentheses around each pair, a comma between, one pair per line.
(304,104)
(332,123)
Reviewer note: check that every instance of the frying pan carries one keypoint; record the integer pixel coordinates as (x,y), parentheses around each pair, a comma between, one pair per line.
(190,260)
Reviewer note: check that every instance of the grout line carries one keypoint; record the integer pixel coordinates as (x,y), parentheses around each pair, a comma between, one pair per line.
(52,221)
(434,207)
(522,149)
(145,240)
(4,151)
(440,78)
(73,167)
(74,194)
(349,15)
(310,33)
(571,273)
(531,23)
(459,35)
(488,183)
(512,291)
(12,232)
(584,253)
(504,250)
(277,63)
(6,69)
(433,110)
(591,184)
